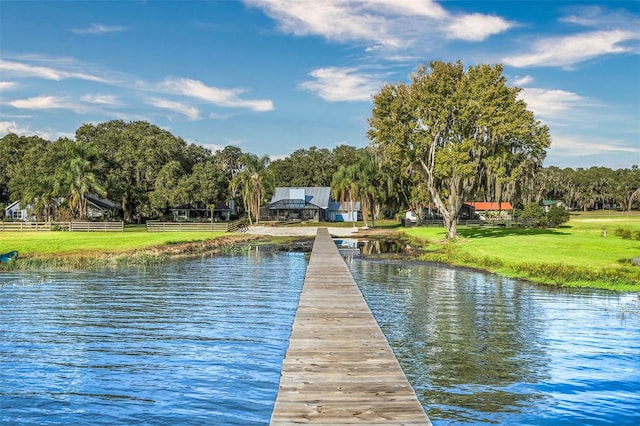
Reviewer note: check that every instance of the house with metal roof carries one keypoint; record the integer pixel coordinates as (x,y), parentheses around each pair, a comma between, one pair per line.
(98,207)
(292,204)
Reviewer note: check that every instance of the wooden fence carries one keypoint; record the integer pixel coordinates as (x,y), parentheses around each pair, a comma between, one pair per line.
(472,223)
(96,226)
(61,226)
(33,226)
(235,226)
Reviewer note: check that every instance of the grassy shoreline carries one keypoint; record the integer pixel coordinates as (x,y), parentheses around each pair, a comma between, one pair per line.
(135,246)
(576,255)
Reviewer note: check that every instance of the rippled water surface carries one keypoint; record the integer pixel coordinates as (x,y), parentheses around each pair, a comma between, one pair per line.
(202,342)
(479,349)
(194,342)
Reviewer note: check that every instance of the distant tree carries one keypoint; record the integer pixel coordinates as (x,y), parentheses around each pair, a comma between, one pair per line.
(78,176)
(208,185)
(532,215)
(627,187)
(556,216)
(344,187)
(304,168)
(32,176)
(453,127)
(345,155)
(132,155)
(169,188)
(254,182)
(12,151)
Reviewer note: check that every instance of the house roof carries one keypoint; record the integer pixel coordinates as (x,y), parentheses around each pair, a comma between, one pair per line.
(289,204)
(10,206)
(317,195)
(102,203)
(480,206)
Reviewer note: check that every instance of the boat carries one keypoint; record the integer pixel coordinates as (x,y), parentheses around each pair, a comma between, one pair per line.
(8,257)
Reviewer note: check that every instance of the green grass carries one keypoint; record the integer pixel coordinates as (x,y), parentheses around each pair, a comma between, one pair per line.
(42,244)
(574,255)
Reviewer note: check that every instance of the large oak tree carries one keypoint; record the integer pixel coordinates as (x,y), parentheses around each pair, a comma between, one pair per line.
(455,128)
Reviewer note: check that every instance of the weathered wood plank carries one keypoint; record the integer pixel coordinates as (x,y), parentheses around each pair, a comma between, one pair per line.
(339,368)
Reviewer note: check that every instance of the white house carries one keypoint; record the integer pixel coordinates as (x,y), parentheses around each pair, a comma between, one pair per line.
(308,203)
(97,208)
(14,212)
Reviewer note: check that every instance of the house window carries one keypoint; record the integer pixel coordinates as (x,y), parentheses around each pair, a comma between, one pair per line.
(17,214)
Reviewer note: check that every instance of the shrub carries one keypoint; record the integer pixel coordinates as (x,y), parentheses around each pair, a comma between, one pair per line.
(533,215)
(556,216)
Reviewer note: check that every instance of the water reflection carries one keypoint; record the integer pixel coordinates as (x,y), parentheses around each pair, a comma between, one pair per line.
(481,349)
(193,342)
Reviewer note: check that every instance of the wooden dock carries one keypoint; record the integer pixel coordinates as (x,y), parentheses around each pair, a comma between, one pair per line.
(339,368)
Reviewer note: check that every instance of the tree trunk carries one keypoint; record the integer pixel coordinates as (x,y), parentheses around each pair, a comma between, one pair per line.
(635,195)
(451,224)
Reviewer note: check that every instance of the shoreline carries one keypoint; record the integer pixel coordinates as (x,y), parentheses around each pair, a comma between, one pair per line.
(419,251)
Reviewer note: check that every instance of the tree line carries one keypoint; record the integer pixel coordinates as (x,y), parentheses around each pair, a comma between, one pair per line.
(448,136)
(146,171)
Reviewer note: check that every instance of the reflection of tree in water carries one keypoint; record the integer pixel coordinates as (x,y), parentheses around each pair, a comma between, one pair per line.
(468,342)
(378,246)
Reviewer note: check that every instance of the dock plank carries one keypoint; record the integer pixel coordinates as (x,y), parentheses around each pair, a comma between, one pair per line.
(339,368)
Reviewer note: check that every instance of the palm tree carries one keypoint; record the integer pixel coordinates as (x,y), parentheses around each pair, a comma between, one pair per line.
(344,186)
(79,178)
(367,173)
(254,181)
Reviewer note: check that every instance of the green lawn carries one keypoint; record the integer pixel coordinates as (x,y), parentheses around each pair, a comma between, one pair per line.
(549,255)
(40,244)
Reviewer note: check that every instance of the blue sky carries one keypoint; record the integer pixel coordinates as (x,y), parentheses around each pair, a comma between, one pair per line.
(273,76)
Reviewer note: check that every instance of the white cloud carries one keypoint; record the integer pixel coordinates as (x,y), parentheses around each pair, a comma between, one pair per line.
(335,20)
(476,27)
(520,81)
(188,111)
(548,103)
(48,102)
(575,146)
(7,127)
(100,99)
(99,29)
(335,84)
(569,50)
(210,146)
(427,8)
(600,17)
(7,85)
(22,70)
(222,97)
(385,24)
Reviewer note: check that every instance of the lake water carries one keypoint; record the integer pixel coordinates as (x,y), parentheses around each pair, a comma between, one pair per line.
(480,349)
(202,341)
(187,343)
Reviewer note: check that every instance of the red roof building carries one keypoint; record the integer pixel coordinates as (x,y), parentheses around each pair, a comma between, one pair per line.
(483,206)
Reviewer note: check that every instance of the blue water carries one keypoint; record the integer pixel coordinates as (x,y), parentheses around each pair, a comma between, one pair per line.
(193,342)
(480,349)
(202,342)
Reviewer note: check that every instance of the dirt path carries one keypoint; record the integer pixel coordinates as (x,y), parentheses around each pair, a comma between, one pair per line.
(299,231)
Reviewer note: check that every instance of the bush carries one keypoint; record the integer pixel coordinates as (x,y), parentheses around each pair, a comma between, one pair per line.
(533,215)
(556,216)
(627,234)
